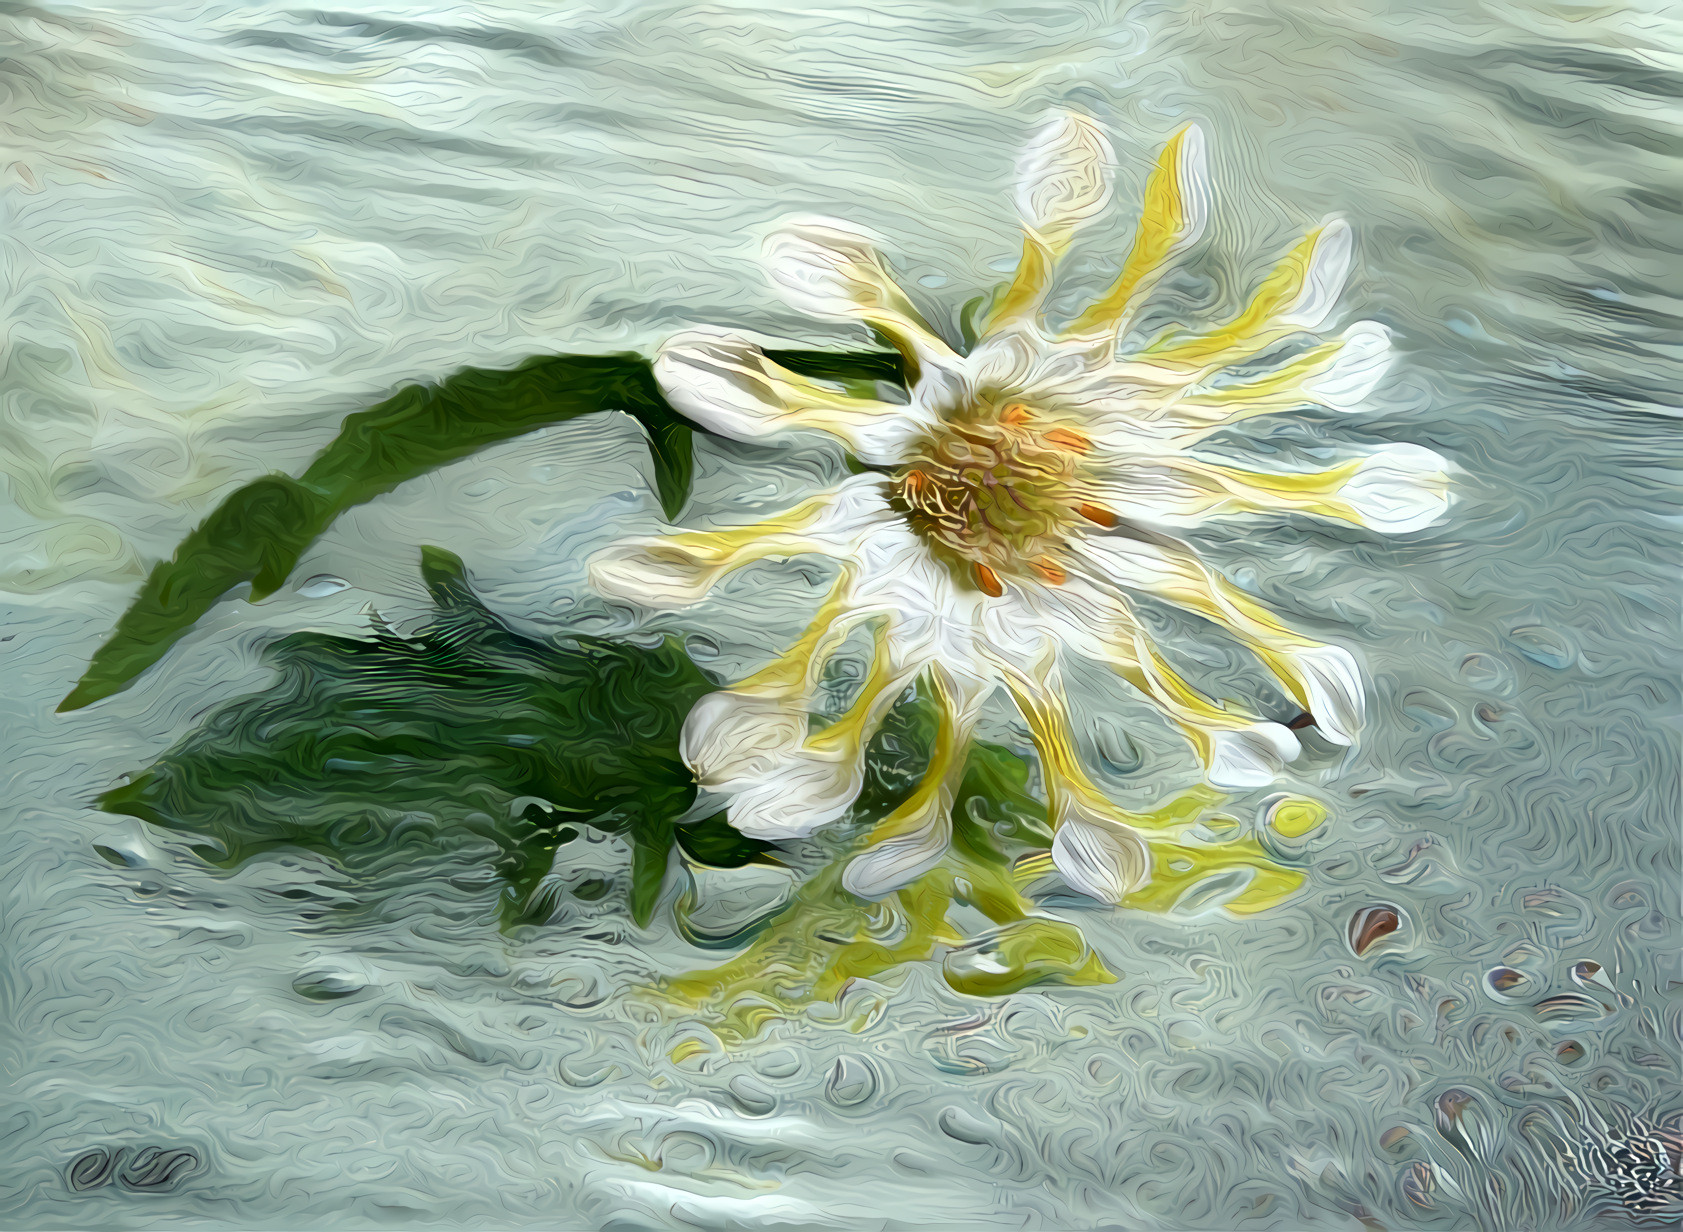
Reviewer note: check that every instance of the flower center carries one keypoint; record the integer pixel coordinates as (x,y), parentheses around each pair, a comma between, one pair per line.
(997,493)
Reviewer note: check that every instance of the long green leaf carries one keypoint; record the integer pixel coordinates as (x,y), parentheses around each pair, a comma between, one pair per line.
(258,533)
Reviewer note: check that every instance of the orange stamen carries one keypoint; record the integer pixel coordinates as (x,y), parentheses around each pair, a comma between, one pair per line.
(987,579)
(1050,569)
(1065,439)
(1097,514)
(1015,415)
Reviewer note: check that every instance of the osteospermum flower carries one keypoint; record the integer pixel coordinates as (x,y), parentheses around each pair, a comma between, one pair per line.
(1018,504)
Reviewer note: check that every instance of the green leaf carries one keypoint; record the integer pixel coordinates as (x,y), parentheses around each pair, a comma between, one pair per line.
(260,529)
(650,853)
(258,533)
(715,842)
(378,752)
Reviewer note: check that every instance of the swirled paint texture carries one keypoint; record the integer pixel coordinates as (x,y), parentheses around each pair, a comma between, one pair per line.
(230,227)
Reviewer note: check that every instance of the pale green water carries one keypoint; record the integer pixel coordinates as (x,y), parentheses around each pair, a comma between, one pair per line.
(230,225)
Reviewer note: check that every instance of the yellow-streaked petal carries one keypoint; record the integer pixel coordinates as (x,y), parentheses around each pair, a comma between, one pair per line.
(677,570)
(1063,181)
(794,673)
(1323,679)
(1175,209)
(1237,749)
(1064,177)
(831,269)
(912,839)
(1338,374)
(726,383)
(854,727)
(1394,489)
(1069,789)
(1296,296)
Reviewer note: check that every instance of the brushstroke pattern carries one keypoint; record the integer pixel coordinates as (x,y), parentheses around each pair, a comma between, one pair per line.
(229,227)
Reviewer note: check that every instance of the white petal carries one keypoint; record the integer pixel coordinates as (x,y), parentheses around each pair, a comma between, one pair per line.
(1329,265)
(831,269)
(896,862)
(1064,175)
(725,382)
(804,794)
(732,740)
(1102,861)
(632,572)
(1251,756)
(1399,488)
(1334,685)
(679,569)
(1193,180)
(1361,364)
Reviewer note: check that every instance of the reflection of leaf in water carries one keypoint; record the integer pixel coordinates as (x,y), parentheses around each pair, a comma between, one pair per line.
(373,750)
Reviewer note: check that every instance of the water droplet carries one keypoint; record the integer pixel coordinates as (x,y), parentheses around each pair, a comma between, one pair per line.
(1295,816)
(1116,748)
(322,585)
(328,984)
(852,1081)
(1505,983)
(1370,924)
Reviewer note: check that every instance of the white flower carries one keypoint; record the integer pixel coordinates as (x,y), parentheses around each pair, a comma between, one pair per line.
(1023,503)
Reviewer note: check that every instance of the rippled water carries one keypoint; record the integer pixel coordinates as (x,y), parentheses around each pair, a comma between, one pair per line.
(228,225)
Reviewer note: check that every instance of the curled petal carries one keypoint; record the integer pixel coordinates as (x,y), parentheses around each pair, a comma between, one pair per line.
(733,740)
(1323,281)
(1102,859)
(831,269)
(1398,488)
(895,862)
(754,740)
(1362,361)
(1063,180)
(1250,756)
(1238,750)
(802,794)
(1331,684)
(913,838)
(1064,175)
(726,383)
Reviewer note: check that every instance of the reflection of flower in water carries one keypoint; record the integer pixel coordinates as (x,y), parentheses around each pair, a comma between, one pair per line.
(1016,505)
